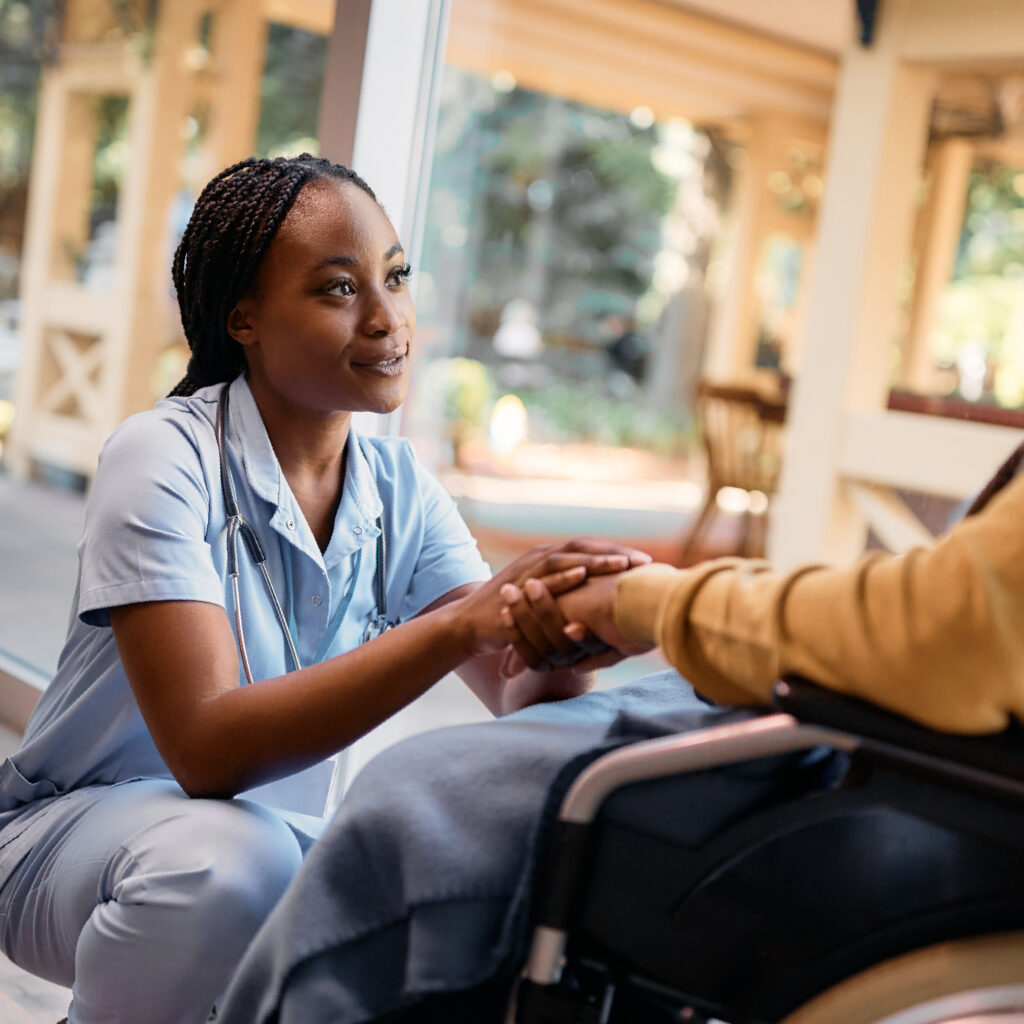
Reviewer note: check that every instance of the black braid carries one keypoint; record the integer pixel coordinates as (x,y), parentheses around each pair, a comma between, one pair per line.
(234,221)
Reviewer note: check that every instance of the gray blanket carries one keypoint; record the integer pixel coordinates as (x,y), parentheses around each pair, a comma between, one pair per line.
(421,882)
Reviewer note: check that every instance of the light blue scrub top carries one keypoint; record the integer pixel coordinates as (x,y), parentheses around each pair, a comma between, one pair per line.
(155,530)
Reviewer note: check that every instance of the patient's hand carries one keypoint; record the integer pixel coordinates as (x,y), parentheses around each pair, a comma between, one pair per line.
(576,629)
(592,608)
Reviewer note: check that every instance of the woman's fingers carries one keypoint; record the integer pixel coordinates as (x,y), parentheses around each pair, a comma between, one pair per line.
(535,627)
(523,631)
(595,565)
(562,582)
(597,546)
(528,650)
(594,557)
(561,649)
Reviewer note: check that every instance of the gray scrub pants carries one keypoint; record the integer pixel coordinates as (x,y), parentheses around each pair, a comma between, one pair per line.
(143,901)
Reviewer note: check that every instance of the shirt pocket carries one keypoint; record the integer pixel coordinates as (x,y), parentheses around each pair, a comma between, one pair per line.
(16,790)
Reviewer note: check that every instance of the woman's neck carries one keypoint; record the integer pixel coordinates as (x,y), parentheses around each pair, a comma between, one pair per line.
(310,448)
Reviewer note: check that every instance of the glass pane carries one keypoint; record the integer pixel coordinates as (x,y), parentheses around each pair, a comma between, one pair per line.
(25,34)
(963,347)
(561,307)
(293,76)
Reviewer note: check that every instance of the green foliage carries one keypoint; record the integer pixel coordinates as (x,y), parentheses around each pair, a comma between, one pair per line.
(290,92)
(988,311)
(563,412)
(992,240)
(547,200)
(984,305)
(465,388)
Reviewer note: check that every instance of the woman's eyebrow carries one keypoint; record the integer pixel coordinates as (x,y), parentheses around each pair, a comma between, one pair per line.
(351,261)
(337,261)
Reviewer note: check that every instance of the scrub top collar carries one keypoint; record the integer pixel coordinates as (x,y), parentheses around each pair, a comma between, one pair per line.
(355,523)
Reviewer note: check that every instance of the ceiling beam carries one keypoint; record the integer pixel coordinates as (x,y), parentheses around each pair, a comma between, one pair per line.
(315,16)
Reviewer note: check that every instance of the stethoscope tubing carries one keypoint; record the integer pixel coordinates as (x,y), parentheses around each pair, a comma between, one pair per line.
(237,524)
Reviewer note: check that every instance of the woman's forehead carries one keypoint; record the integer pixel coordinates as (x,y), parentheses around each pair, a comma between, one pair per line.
(328,213)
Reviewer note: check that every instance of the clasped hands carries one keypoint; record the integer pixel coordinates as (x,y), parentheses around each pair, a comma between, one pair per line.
(565,618)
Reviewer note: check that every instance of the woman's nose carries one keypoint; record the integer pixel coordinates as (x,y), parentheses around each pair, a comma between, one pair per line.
(384,313)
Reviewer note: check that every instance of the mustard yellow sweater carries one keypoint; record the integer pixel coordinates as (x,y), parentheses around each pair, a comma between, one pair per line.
(935,634)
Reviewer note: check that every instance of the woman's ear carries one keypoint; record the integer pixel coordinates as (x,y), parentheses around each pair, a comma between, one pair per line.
(241,322)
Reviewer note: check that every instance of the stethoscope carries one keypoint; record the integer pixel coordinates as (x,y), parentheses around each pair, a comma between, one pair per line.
(379,623)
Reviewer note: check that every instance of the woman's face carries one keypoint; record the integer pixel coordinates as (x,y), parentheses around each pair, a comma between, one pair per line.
(329,320)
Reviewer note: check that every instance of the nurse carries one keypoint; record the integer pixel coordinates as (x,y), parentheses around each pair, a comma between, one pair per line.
(167,788)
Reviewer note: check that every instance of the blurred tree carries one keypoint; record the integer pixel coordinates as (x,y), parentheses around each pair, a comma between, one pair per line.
(982,313)
(539,198)
(293,76)
(28,36)
(992,239)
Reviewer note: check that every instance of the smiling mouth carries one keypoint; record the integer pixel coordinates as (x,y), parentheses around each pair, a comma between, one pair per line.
(394,366)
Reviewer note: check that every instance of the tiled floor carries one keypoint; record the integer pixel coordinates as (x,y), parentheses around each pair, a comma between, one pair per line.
(38,1001)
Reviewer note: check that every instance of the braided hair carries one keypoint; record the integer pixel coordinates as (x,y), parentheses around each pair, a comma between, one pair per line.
(234,221)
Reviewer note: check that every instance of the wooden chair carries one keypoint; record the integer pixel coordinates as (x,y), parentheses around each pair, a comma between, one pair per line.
(742,432)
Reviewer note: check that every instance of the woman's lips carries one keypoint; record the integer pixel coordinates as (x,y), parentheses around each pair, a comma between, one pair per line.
(393,367)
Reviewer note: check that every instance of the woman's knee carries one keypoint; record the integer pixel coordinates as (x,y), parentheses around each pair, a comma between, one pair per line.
(226,862)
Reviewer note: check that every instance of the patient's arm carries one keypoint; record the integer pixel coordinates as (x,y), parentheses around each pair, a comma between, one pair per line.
(935,634)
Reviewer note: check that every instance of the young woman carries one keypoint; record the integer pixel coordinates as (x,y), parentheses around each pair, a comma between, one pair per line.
(241,544)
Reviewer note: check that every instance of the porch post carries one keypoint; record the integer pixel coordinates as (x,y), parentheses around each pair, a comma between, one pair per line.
(878,135)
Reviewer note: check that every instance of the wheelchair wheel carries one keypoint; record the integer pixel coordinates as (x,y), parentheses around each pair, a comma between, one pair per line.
(971,981)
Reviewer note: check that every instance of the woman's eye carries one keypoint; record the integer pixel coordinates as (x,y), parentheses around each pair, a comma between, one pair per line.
(340,287)
(399,276)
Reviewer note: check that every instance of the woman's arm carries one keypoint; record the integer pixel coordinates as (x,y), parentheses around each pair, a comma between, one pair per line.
(218,738)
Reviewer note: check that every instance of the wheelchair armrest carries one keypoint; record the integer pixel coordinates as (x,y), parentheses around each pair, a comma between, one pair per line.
(999,753)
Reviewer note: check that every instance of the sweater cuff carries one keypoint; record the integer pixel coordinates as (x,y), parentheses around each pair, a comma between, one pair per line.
(639,595)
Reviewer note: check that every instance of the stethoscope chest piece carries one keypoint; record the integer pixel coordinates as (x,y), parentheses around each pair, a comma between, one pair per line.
(377,625)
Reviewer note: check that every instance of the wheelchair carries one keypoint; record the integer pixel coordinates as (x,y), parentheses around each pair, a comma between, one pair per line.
(893,891)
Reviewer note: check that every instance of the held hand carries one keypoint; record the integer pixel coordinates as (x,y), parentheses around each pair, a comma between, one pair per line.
(583,615)
(536,628)
(562,567)
(593,607)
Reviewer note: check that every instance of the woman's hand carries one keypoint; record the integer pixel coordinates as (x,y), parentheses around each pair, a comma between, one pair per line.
(562,567)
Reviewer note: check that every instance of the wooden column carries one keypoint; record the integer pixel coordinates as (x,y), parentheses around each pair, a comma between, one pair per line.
(757,216)
(936,245)
(238,49)
(91,352)
(878,135)
(732,332)
(159,107)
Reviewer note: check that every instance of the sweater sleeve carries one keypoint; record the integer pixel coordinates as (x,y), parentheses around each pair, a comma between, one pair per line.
(936,634)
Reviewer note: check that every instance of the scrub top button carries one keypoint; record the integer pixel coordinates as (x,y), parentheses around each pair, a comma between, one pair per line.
(317,600)
(290,524)
(357,529)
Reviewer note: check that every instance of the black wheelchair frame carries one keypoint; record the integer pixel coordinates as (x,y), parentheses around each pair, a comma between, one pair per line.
(918,841)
